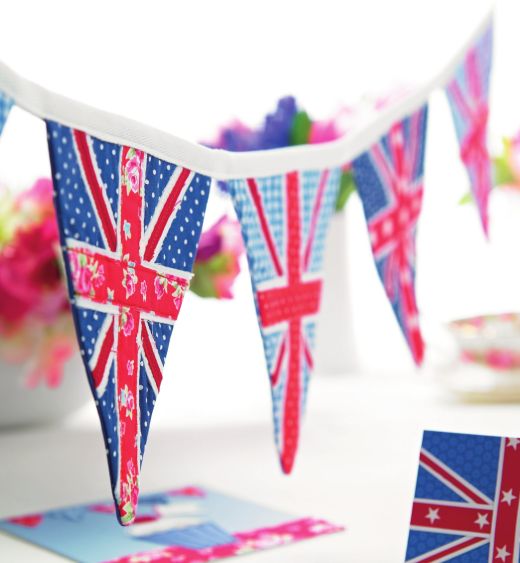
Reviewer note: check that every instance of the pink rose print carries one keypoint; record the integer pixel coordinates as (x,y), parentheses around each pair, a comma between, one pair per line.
(130,494)
(144,289)
(129,282)
(130,367)
(85,280)
(87,274)
(160,285)
(133,170)
(127,323)
(74,267)
(99,277)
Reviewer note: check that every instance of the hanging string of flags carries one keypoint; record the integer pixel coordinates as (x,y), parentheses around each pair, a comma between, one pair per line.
(130,202)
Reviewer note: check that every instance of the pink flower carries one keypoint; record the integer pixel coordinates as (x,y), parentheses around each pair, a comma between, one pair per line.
(85,280)
(144,289)
(130,401)
(129,283)
(130,367)
(330,130)
(159,286)
(52,360)
(218,259)
(133,172)
(128,323)
(99,278)
(29,270)
(323,131)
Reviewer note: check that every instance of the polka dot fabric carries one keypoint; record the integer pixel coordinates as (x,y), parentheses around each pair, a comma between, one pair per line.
(284,222)
(129,226)
(466,499)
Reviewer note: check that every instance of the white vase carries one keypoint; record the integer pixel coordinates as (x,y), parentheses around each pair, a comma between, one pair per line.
(335,344)
(20,406)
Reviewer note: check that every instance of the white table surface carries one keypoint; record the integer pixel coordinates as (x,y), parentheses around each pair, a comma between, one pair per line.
(356,465)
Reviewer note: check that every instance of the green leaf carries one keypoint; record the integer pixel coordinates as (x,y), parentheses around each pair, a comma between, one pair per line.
(301,129)
(347,187)
(466,198)
(502,171)
(202,282)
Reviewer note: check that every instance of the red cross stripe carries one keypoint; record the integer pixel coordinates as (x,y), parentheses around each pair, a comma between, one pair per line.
(479,519)
(392,231)
(473,147)
(123,282)
(289,299)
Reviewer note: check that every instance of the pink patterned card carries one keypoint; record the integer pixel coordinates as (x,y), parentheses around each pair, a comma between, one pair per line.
(181,525)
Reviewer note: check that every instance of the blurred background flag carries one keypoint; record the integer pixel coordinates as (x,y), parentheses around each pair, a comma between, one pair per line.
(130,224)
(284,222)
(468,95)
(6,103)
(389,179)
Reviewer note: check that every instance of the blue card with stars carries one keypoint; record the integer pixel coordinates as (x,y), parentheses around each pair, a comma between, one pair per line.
(466,499)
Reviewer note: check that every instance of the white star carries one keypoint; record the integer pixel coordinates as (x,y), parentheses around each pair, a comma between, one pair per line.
(502,553)
(433,514)
(482,520)
(513,442)
(508,496)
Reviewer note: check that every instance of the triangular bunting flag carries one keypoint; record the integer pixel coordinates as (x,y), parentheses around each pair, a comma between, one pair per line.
(389,179)
(284,222)
(130,225)
(6,104)
(468,94)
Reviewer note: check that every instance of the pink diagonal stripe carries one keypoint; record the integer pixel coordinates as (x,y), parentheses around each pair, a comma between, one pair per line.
(473,75)
(383,167)
(459,99)
(314,218)
(275,376)
(257,201)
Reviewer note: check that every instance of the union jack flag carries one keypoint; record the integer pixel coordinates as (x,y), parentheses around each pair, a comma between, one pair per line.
(130,225)
(389,180)
(466,499)
(284,221)
(468,95)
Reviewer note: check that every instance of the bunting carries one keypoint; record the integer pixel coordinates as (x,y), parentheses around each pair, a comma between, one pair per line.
(389,179)
(130,225)
(130,214)
(284,222)
(468,95)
